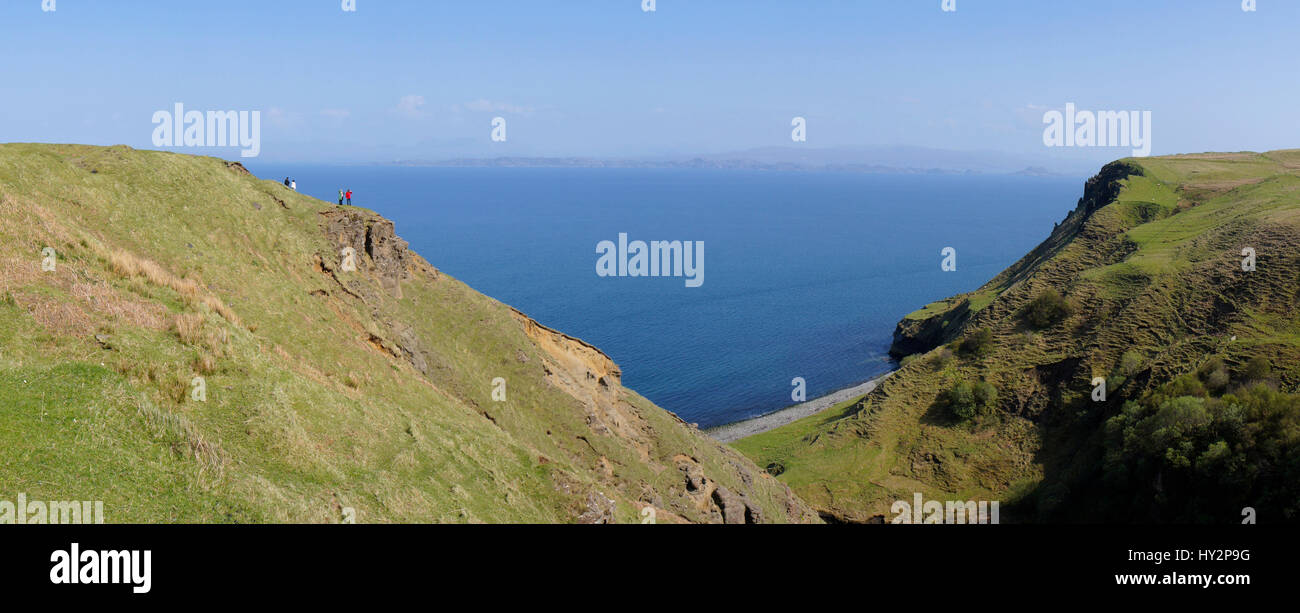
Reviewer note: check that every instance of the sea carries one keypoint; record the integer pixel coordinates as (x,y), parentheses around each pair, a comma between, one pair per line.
(804,274)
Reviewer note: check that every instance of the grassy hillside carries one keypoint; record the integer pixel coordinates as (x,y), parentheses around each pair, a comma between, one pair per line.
(1142,285)
(326,389)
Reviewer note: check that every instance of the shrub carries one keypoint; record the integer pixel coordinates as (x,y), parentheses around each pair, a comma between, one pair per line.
(1258,369)
(978,344)
(986,395)
(1047,309)
(942,358)
(961,401)
(1185,385)
(1130,363)
(1218,380)
(1214,374)
(964,401)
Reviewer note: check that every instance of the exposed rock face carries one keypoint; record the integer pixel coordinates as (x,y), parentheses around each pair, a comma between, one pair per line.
(735,509)
(386,255)
(576,353)
(921,335)
(599,509)
(721,503)
(389,255)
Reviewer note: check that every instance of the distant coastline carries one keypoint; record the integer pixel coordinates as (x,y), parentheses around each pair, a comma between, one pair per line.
(714,164)
(693,163)
(878,159)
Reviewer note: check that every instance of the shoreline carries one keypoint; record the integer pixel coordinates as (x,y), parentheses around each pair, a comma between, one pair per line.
(736,430)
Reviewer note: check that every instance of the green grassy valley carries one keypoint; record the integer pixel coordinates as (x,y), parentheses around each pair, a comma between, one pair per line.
(209,347)
(188,343)
(1142,286)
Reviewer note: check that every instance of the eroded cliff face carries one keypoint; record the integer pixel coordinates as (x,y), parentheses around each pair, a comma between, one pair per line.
(575,354)
(919,334)
(695,479)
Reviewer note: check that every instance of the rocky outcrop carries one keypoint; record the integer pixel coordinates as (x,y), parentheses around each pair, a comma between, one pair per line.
(724,505)
(921,334)
(385,255)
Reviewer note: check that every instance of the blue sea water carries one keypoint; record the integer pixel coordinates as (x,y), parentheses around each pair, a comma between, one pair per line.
(805,273)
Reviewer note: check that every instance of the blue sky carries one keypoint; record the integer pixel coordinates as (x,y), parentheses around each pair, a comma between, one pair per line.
(423,78)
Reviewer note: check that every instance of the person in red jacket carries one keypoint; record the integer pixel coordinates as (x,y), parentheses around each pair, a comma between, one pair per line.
(349,197)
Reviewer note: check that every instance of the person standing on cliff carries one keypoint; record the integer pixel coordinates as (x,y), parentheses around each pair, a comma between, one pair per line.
(349,197)
(340,197)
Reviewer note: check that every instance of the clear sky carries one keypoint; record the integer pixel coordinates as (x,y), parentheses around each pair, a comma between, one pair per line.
(424,78)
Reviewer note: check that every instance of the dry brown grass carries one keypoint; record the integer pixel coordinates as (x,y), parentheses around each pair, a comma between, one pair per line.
(92,300)
(103,299)
(189,327)
(19,272)
(205,364)
(59,318)
(129,265)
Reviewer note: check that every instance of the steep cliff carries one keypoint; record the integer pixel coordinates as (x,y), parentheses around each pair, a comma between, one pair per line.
(210,347)
(1141,364)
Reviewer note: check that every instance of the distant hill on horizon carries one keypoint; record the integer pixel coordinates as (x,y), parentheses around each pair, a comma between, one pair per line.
(896,159)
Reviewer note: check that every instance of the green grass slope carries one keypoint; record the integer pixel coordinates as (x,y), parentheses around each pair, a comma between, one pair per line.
(1142,285)
(330,394)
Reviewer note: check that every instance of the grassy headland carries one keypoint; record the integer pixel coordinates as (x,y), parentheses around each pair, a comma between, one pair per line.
(1141,285)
